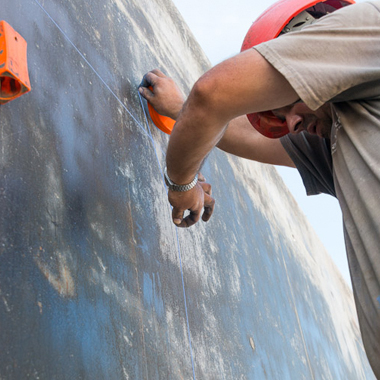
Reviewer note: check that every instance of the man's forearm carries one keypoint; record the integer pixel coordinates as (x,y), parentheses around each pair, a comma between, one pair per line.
(243,140)
(197,131)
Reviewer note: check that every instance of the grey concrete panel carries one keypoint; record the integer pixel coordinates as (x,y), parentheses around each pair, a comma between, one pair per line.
(95,281)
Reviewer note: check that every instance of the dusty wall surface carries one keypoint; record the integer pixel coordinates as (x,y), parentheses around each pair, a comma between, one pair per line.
(95,281)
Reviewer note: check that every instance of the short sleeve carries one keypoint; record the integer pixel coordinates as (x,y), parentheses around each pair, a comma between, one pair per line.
(339,52)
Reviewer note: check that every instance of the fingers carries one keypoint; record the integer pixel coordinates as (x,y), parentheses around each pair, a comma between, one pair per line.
(209,206)
(151,78)
(194,215)
(192,218)
(159,73)
(206,187)
(205,202)
(146,93)
(188,221)
(148,85)
(209,202)
(162,93)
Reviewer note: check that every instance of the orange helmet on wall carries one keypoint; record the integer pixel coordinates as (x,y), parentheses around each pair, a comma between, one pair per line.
(282,17)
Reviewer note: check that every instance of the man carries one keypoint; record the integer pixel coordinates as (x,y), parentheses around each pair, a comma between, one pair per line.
(322,85)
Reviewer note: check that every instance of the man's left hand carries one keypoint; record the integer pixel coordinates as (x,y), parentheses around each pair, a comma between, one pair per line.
(194,200)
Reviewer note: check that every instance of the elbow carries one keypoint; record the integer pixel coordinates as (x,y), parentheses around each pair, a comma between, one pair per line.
(211,94)
(203,94)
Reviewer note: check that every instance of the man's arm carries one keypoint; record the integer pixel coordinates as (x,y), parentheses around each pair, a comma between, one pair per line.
(240,85)
(243,84)
(243,140)
(240,138)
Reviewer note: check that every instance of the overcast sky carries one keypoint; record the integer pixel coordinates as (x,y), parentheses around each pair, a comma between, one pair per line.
(220,28)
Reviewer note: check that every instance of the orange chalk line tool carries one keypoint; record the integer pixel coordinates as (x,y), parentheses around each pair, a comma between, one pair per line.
(14,78)
(164,123)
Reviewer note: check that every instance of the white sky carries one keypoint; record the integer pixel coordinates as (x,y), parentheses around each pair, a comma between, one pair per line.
(220,28)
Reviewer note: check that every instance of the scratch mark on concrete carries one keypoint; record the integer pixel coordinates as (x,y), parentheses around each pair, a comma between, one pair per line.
(63,282)
(252,343)
(35,149)
(7,308)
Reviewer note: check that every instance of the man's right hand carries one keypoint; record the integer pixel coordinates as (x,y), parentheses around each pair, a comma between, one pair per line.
(165,96)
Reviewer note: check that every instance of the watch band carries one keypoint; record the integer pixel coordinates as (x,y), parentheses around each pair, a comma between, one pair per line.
(174,187)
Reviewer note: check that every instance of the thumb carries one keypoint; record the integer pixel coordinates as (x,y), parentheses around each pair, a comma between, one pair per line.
(177,216)
(146,93)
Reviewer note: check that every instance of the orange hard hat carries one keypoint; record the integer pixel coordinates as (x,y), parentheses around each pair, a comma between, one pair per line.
(277,20)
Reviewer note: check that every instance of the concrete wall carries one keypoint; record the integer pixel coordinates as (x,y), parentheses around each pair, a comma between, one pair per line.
(95,281)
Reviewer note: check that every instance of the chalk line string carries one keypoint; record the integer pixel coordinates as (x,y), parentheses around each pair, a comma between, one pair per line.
(178,246)
(92,68)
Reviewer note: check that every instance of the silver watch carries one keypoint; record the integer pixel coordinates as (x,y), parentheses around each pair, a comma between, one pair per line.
(174,187)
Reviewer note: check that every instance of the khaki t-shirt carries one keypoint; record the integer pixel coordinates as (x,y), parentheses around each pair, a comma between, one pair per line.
(337,60)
